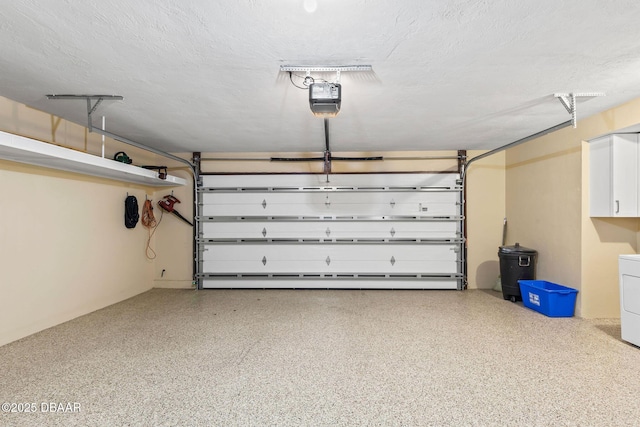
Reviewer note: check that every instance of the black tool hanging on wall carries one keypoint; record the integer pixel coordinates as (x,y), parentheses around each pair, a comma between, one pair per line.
(121,156)
(131,214)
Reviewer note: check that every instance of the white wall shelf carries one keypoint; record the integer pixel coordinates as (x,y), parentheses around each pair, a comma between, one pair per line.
(26,150)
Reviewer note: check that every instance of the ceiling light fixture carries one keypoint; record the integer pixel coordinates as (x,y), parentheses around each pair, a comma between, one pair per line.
(310,5)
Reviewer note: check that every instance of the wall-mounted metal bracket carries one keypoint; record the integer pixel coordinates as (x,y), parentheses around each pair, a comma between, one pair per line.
(90,108)
(325,69)
(568,101)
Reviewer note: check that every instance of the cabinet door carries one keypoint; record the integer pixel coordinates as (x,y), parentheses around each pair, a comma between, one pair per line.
(625,175)
(613,176)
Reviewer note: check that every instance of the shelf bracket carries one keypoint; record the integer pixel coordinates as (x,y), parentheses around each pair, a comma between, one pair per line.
(90,108)
(568,101)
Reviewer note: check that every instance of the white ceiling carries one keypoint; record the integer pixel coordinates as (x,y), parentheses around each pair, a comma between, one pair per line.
(203,75)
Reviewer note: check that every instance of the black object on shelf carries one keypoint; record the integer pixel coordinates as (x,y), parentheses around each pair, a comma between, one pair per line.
(516,263)
(122,157)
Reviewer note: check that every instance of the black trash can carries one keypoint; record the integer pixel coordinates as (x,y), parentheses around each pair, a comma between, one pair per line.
(516,263)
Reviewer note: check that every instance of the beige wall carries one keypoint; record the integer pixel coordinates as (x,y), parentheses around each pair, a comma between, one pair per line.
(485,182)
(543,182)
(64,249)
(547,205)
(173,239)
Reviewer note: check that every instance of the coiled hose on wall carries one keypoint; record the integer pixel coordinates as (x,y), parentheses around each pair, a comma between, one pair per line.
(149,221)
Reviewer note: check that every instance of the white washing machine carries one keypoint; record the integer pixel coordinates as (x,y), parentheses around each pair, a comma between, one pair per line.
(630,297)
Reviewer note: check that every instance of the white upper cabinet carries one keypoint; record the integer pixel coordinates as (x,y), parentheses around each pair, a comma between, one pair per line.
(614,161)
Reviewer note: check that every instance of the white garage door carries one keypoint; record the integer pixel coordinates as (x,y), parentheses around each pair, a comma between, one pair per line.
(377,231)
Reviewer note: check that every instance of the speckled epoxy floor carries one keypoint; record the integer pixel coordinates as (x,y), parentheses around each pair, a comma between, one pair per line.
(323,358)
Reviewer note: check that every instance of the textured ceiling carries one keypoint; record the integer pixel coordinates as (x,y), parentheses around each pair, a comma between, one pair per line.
(203,75)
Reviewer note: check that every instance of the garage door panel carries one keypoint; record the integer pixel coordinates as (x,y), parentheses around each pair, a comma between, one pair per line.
(283,282)
(290,252)
(322,258)
(426,210)
(330,204)
(249,267)
(331,229)
(319,181)
(329,198)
